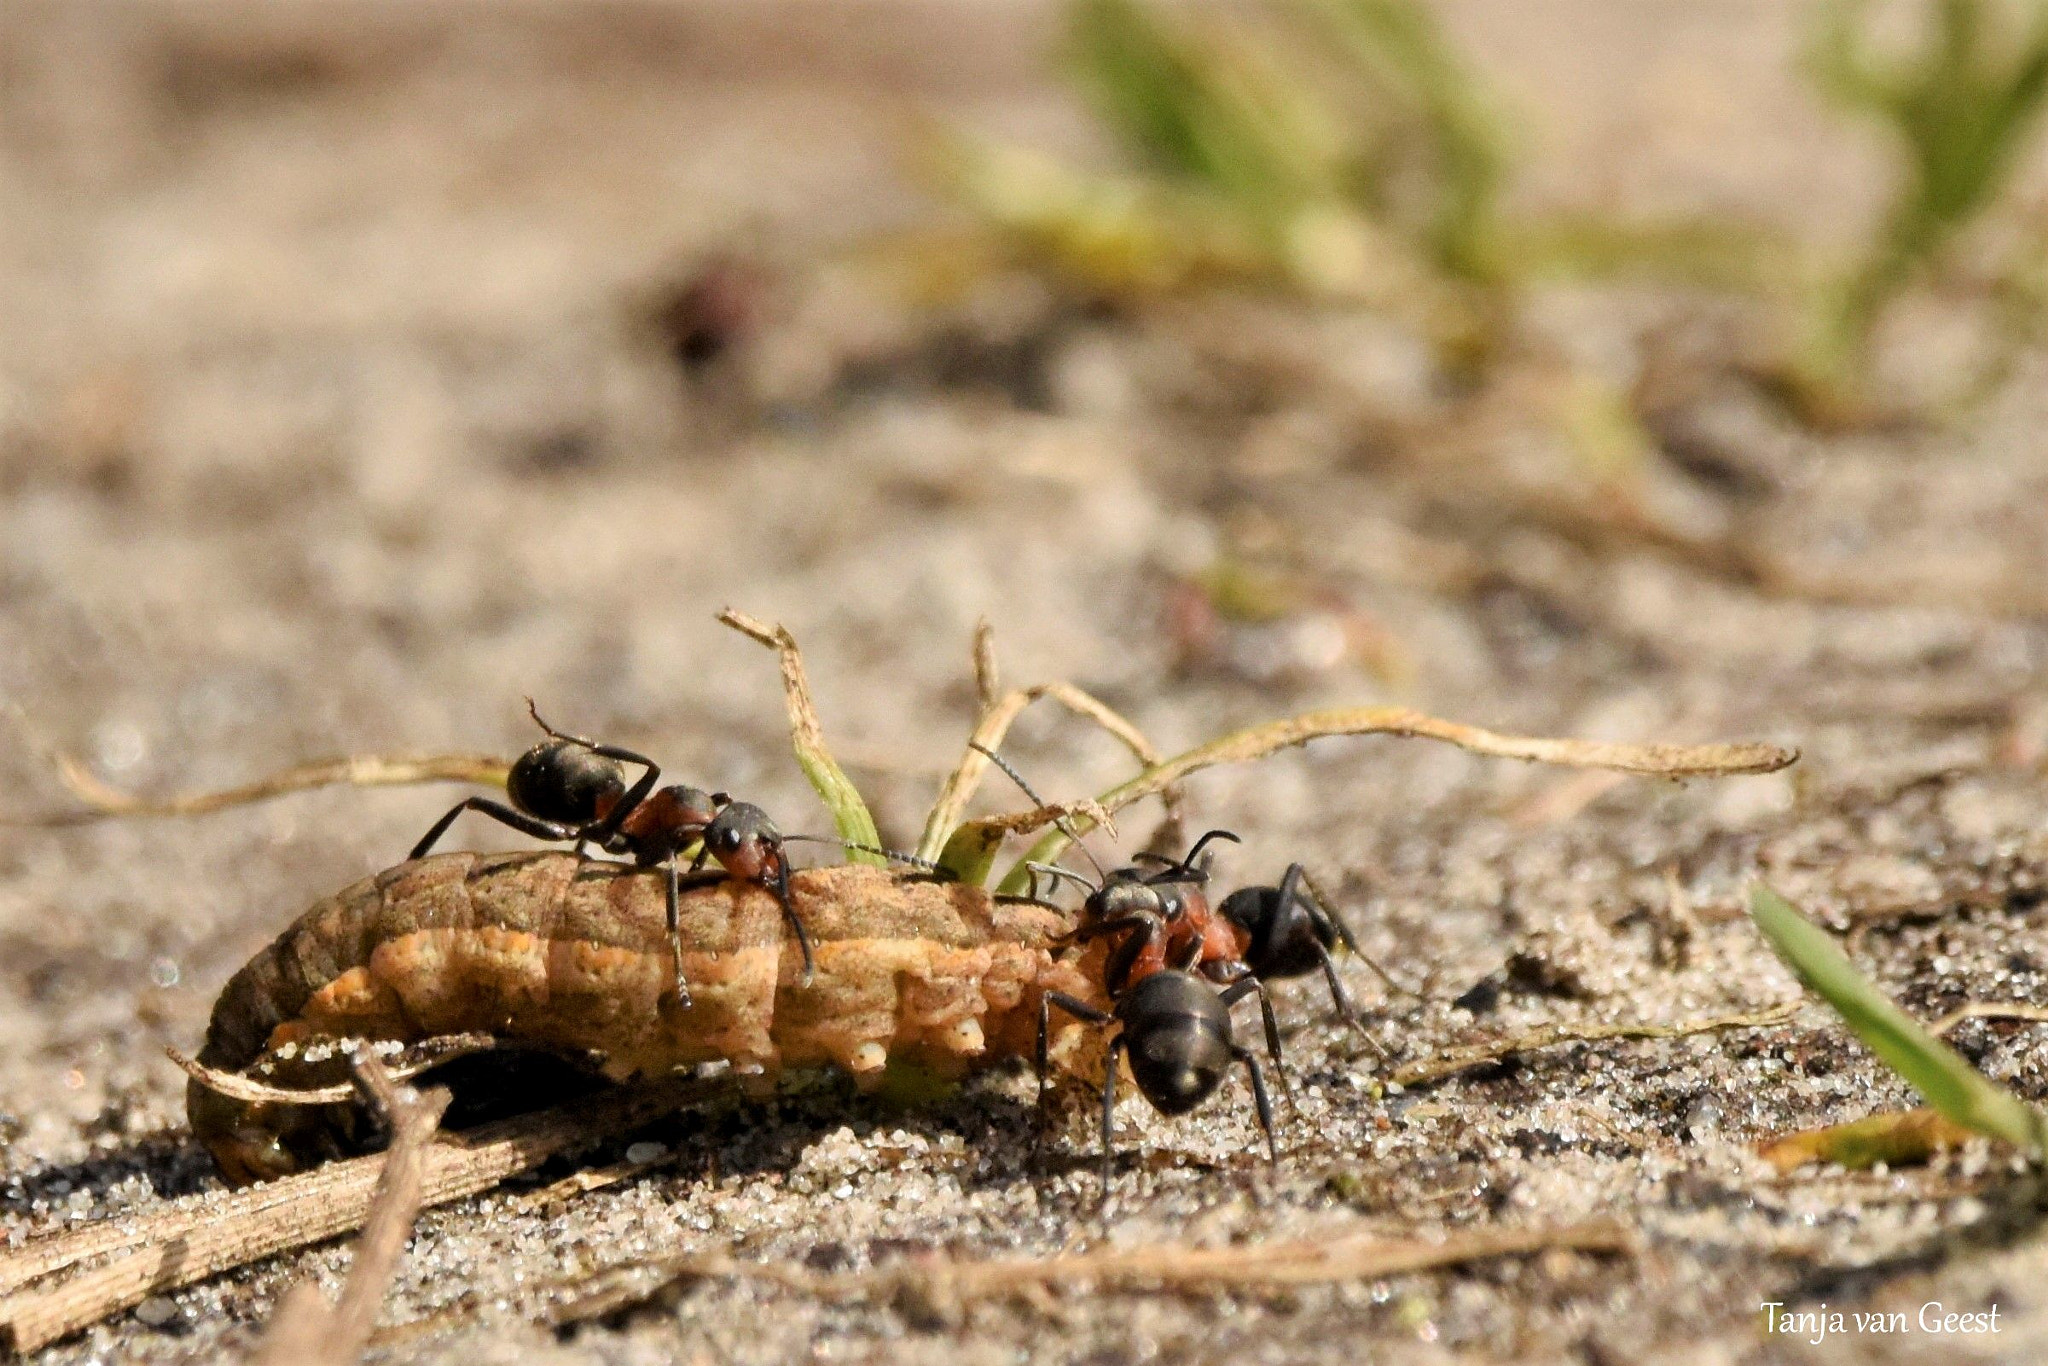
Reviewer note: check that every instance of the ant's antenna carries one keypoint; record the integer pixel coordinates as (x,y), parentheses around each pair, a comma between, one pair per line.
(1061,824)
(533,710)
(1185,867)
(893,855)
(1059,874)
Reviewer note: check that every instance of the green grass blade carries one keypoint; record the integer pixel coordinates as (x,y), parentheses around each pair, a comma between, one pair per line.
(1940,1074)
(1208,105)
(851,819)
(970,852)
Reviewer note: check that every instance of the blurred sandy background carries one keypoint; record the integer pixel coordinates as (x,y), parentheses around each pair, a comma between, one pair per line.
(341,406)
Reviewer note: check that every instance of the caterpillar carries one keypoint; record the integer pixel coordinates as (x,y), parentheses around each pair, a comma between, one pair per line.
(553,951)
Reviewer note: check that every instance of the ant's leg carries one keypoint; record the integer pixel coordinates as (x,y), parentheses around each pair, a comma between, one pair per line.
(1342,998)
(1320,905)
(600,833)
(1080,1010)
(1116,970)
(497,811)
(675,932)
(1143,928)
(803,941)
(1247,986)
(1225,971)
(1262,1100)
(1116,1048)
(1294,884)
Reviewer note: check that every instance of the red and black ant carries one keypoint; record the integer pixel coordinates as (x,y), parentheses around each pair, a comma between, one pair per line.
(1175,1028)
(1164,918)
(574,789)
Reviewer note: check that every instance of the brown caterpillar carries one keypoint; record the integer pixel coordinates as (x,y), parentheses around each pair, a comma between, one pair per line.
(554,951)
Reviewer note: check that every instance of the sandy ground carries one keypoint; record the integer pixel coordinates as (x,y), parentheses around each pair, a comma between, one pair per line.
(333,417)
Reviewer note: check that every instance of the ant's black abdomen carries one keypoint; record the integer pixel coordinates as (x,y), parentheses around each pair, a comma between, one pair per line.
(1289,946)
(564,781)
(1178,1033)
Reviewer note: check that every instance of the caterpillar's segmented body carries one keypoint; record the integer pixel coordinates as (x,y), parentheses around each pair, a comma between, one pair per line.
(550,950)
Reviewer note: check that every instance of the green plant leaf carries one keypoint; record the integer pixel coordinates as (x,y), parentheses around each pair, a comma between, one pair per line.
(970,851)
(1205,103)
(1940,1074)
(1961,105)
(850,815)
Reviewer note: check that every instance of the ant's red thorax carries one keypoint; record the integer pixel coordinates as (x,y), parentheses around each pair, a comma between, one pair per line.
(1196,936)
(664,813)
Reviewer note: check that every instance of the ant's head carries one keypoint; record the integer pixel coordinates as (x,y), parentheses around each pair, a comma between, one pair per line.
(1177,1033)
(1127,891)
(563,780)
(742,838)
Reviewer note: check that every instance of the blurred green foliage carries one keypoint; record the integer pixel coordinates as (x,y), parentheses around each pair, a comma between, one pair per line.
(1347,150)
(1961,105)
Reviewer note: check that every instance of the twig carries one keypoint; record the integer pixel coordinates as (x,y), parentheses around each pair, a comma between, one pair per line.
(1463,1059)
(596,1179)
(937,1282)
(1677,925)
(1038,817)
(850,815)
(988,677)
(406,1063)
(998,712)
(1598,525)
(1986,1010)
(1656,760)
(306,1329)
(359,770)
(207,1235)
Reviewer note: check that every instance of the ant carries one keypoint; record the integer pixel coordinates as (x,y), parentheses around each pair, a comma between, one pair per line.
(1175,1028)
(1262,932)
(570,788)
(1159,915)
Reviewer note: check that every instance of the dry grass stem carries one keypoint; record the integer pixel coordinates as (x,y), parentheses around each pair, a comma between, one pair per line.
(939,1283)
(359,770)
(404,1064)
(306,1329)
(206,1235)
(1987,1010)
(1896,1139)
(1478,1055)
(1654,760)
(999,710)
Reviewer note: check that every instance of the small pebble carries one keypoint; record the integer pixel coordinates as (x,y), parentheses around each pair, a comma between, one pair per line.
(156,1311)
